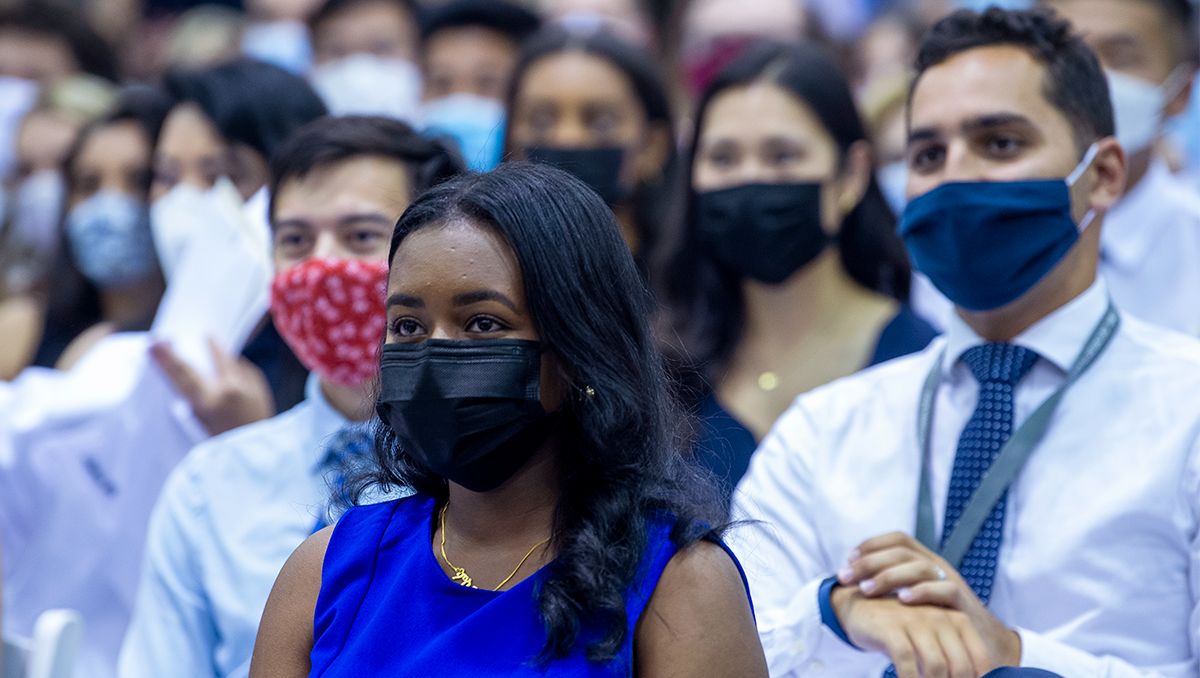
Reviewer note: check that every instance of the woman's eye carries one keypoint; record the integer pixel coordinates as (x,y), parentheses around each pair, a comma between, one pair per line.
(604,124)
(542,121)
(722,159)
(88,185)
(784,157)
(406,327)
(484,324)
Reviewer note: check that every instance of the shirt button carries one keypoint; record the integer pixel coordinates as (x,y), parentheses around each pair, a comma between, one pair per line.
(799,646)
(816,667)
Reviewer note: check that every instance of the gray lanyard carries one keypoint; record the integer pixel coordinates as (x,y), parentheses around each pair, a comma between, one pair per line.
(1008,462)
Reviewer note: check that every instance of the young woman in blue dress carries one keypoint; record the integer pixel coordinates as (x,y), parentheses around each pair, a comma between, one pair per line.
(555,528)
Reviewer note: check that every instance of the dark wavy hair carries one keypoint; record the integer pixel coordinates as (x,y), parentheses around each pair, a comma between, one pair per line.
(618,463)
(709,309)
(650,200)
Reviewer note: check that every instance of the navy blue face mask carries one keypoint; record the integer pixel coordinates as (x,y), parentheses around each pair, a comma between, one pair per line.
(985,244)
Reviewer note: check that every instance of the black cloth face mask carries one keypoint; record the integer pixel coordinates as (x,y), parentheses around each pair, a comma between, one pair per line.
(762,231)
(599,168)
(470,411)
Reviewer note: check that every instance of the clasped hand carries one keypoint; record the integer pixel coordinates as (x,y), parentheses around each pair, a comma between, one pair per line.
(903,600)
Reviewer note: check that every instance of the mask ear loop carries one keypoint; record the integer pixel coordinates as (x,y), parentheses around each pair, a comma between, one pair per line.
(1074,177)
(1176,80)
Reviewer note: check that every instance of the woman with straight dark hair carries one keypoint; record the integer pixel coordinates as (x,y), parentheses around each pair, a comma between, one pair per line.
(595,106)
(227,121)
(234,116)
(555,528)
(788,273)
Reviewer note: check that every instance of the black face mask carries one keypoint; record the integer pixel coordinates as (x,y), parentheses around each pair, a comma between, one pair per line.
(468,410)
(762,231)
(599,168)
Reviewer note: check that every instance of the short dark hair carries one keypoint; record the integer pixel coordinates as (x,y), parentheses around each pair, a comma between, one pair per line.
(1075,83)
(332,7)
(619,464)
(249,101)
(330,140)
(50,18)
(501,16)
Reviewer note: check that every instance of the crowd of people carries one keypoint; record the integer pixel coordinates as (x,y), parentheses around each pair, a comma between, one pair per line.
(602,337)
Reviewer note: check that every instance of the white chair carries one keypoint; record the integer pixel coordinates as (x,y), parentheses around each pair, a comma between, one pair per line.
(52,651)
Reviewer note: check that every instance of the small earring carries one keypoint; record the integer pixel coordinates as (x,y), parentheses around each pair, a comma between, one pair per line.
(589,391)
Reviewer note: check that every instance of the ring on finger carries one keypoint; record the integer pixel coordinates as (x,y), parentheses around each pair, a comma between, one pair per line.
(941,574)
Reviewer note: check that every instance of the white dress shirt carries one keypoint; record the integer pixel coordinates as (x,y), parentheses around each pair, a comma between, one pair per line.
(1150,251)
(1149,256)
(228,518)
(83,455)
(1098,571)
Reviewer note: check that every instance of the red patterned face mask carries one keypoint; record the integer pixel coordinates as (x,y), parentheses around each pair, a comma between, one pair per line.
(330,311)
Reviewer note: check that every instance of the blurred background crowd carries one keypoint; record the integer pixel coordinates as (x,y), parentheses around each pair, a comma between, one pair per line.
(108,107)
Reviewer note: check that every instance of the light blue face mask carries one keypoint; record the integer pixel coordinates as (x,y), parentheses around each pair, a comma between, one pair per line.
(110,239)
(475,122)
(283,43)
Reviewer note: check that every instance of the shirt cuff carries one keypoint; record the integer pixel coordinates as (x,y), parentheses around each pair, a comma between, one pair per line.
(1040,652)
(828,616)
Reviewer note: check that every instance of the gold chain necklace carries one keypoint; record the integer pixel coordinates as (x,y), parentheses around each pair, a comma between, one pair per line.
(461,576)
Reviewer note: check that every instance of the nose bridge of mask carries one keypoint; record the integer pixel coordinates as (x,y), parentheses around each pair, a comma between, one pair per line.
(1074,176)
(448,369)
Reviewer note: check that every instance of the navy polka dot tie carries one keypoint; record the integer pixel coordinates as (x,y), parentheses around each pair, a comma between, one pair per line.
(348,445)
(998,368)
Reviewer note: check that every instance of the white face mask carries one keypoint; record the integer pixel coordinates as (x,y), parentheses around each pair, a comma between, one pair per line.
(364,84)
(38,210)
(893,182)
(17,96)
(1138,106)
(181,217)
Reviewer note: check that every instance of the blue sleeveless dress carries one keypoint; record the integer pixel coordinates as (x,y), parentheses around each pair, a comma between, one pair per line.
(386,608)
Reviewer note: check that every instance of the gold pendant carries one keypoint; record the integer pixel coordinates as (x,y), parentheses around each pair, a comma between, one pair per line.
(461,576)
(768,381)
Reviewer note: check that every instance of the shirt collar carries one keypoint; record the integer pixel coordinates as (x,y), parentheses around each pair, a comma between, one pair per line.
(1057,338)
(326,421)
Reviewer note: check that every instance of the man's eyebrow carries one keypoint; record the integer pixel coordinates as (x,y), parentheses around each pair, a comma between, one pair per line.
(923,134)
(405,300)
(296,222)
(993,120)
(468,298)
(364,216)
